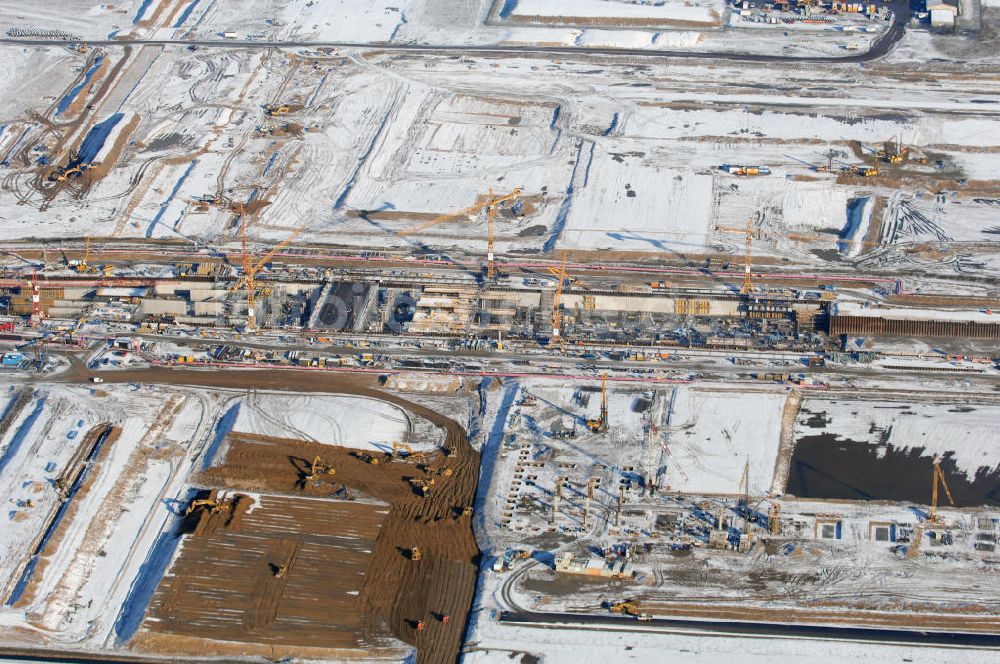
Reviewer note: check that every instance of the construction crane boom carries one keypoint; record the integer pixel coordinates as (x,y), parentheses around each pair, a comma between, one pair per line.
(747,232)
(248,279)
(490,205)
(938,477)
(561,275)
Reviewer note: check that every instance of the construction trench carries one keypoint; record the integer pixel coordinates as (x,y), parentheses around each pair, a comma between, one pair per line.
(324,546)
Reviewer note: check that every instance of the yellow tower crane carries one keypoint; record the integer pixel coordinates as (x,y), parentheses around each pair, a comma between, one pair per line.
(490,205)
(248,279)
(562,277)
(747,232)
(938,477)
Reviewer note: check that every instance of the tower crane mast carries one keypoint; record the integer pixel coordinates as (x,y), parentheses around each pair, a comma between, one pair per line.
(248,279)
(747,232)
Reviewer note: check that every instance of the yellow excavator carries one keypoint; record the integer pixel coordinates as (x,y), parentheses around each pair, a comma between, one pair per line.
(211,504)
(277,110)
(317,469)
(410,454)
(628,607)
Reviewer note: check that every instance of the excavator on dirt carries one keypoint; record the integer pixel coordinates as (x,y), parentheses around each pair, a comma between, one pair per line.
(628,607)
(63,174)
(210,504)
(410,455)
(422,485)
(317,469)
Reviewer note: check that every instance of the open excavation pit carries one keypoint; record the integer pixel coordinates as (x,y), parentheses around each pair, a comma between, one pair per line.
(271,570)
(346,540)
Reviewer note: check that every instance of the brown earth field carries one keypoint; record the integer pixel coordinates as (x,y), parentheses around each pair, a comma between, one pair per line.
(395,591)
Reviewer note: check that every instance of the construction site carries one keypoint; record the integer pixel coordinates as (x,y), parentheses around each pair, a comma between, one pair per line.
(499,330)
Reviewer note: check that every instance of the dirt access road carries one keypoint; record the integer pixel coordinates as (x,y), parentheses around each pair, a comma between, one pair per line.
(398,591)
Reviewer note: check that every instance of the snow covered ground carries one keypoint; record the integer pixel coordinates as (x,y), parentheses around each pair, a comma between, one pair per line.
(614,12)
(353,422)
(88,568)
(713,434)
(495,641)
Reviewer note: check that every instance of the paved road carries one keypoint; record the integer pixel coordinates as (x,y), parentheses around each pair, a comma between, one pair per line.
(882,45)
(765,630)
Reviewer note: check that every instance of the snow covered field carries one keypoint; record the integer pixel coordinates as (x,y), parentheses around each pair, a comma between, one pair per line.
(353,422)
(498,642)
(613,12)
(374,144)
(712,435)
(76,590)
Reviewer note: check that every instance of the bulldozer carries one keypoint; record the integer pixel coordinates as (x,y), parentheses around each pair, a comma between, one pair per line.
(422,485)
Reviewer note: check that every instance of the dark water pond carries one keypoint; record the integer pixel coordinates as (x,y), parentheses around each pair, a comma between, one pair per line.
(826,466)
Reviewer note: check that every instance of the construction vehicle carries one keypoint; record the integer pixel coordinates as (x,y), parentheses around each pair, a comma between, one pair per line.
(277,110)
(938,477)
(774,518)
(210,504)
(467,510)
(745,171)
(279,570)
(628,607)
(422,485)
(894,152)
(490,205)
(370,459)
(747,288)
(82,266)
(415,554)
(743,506)
(410,454)
(248,279)
(63,174)
(864,170)
(600,425)
(318,469)
(442,472)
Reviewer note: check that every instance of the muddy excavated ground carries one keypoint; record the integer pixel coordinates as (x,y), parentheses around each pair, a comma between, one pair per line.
(224,585)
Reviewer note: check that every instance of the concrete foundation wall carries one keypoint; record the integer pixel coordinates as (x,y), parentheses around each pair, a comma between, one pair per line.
(865,325)
(150,306)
